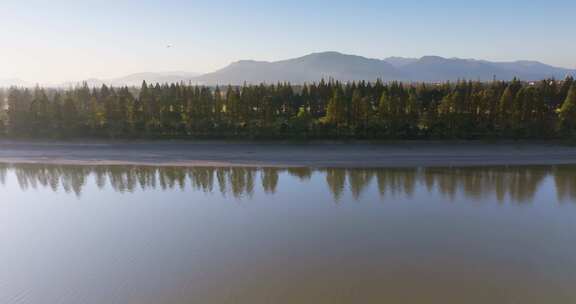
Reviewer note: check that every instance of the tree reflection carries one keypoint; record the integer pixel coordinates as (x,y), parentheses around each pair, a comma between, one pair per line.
(270,179)
(3,172)
(519,184)
(565,183)
(336,179)
(516,184)
(397,181)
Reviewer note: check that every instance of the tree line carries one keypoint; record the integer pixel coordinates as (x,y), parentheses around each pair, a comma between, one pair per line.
(324,110)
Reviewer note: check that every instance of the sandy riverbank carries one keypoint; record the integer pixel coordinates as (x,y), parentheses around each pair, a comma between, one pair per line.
(287,155)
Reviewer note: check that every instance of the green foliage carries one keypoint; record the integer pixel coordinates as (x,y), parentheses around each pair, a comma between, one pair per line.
(336,110)
(362,110)
(567,112)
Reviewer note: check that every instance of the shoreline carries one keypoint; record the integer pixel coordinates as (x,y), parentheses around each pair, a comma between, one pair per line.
(313,155)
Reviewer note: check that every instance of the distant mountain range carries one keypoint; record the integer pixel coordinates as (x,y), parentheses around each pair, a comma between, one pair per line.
(350,67)
(137,79)
(343,67)
(304,69)
(128,80)
(14,82)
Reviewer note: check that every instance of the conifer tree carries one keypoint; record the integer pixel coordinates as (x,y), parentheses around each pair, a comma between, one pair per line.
(360,110)
(505,109)
(39,112)
(384,106)
(69,116)
(324,109)
(567,112)
(336,110)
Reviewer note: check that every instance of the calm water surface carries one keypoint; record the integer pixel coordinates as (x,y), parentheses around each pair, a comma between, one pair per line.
(142,235)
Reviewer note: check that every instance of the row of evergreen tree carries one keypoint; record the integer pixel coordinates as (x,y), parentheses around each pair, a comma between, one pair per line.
(327,109)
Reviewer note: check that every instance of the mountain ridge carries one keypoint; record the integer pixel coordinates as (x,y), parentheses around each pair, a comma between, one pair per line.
(338,66)
(134,79)
(346,67)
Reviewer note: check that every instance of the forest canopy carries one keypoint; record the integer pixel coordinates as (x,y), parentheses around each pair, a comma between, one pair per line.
(324,110)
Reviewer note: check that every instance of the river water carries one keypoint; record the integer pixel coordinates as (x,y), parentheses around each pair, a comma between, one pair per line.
(145,235)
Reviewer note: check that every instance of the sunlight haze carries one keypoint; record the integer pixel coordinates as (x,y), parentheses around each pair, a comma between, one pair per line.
(57,41)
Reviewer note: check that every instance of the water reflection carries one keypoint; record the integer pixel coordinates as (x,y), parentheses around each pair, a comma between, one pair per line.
(518,184)
(152,235)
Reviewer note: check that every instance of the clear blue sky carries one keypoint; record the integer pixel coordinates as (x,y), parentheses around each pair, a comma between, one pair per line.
(51,41)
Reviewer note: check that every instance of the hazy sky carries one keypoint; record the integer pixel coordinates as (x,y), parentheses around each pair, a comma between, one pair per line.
(59,40)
